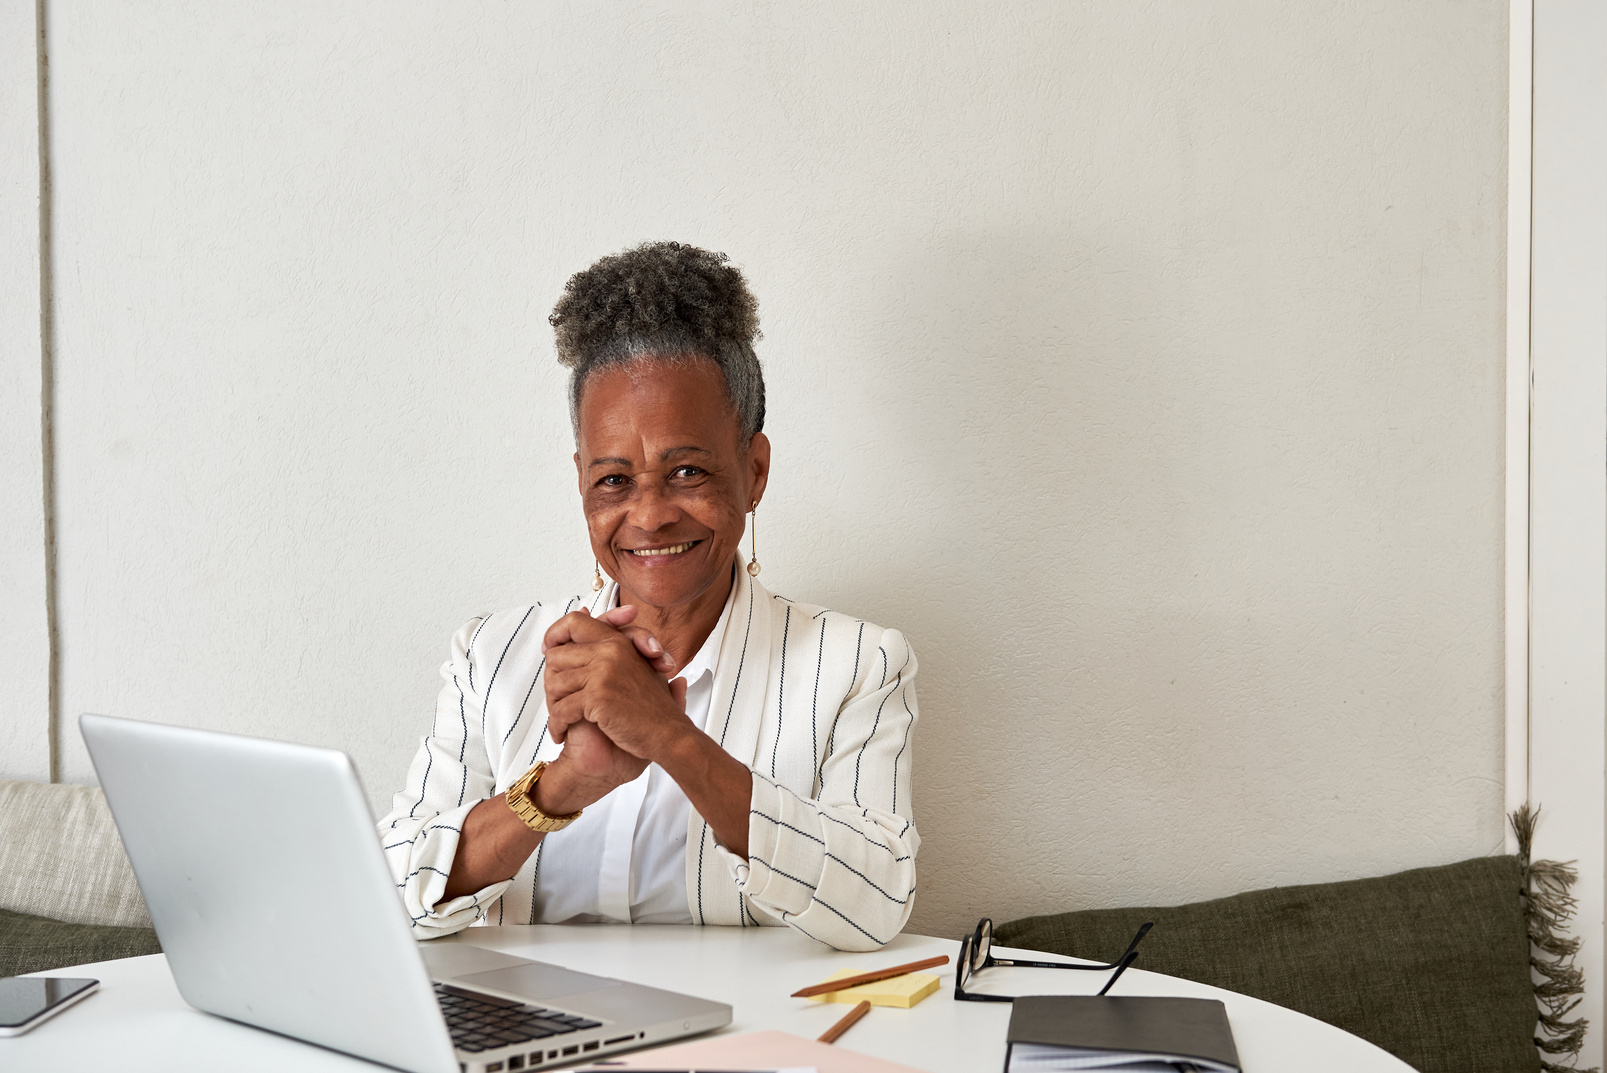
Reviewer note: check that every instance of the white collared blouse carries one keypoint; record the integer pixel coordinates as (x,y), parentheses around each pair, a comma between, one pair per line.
(819,705)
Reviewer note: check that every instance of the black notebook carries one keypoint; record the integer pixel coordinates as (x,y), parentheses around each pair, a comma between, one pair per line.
(1135,1034)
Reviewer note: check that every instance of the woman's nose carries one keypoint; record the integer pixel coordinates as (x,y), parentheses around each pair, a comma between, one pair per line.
(653,509)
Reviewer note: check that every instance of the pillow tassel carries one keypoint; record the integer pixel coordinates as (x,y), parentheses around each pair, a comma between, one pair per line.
(1548,905)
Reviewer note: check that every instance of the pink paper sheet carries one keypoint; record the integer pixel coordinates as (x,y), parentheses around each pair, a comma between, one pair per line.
(757,1050)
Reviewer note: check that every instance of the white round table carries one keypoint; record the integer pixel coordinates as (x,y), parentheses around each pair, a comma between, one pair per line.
(138,1021)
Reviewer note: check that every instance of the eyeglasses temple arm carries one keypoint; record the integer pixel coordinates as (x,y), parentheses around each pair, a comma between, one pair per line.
(1014,963)
(1121,967)
(1142,931)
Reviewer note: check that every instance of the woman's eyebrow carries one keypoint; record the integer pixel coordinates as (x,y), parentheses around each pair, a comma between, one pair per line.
(664,457)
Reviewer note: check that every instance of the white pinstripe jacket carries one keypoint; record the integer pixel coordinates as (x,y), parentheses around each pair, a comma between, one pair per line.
(820,706)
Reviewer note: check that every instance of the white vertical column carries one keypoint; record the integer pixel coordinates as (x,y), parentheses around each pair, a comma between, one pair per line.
(24,637)
(1568,465)
(1520,130)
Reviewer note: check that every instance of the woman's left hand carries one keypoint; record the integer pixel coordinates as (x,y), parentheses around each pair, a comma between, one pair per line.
(560,633)
(597,674)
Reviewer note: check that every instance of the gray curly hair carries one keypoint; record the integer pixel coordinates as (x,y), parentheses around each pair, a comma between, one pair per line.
(663,301)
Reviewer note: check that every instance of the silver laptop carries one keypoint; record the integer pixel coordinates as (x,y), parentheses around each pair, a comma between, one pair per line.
(273,902)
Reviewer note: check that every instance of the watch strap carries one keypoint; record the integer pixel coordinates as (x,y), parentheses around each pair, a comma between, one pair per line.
(521,799)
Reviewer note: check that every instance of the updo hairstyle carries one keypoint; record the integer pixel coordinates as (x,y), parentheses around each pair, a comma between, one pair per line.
(662,301)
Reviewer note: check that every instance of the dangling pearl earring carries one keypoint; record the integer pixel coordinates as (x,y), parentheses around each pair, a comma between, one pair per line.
(753,559)
(597,582)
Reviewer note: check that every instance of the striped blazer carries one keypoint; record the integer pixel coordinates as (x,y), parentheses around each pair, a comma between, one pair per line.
(819,705)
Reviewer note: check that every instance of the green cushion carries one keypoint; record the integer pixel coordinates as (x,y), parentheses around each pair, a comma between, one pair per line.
(33,944)
(1432,965)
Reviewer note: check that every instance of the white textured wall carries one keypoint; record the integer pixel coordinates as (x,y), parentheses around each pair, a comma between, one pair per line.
(24,638)
(1141,361)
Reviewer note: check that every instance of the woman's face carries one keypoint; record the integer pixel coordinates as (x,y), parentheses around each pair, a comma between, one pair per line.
(664,479)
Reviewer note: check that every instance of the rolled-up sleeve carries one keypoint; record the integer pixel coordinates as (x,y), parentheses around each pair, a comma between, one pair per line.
(840,867)
(450,774)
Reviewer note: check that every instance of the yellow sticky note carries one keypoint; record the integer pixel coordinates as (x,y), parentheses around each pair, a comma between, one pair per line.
(901,991)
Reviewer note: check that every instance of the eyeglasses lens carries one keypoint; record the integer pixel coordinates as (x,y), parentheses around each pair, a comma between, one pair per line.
(983,944)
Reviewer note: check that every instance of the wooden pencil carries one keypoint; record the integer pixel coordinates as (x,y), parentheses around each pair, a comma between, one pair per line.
(848,1021)
(870,977)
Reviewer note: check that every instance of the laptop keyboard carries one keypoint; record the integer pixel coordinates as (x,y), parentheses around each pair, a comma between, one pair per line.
(483,1023)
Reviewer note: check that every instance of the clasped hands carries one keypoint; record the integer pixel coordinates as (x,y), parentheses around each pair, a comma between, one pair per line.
(612,704)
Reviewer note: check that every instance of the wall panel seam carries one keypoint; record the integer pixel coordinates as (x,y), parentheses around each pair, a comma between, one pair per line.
(47,393)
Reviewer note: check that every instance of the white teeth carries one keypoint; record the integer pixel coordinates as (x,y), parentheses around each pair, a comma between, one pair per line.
(675,549)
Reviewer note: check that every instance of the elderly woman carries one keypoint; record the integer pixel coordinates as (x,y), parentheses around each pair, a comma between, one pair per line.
(683,746)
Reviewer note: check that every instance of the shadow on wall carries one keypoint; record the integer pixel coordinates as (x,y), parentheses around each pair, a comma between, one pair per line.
(1026,396)
(1147,611)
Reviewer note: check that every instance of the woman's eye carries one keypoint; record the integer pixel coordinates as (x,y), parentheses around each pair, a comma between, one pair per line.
(613,480)
(688,471)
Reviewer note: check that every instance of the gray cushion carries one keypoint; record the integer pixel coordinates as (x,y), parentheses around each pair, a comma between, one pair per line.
(34,944)
(60,857)
(1432,965)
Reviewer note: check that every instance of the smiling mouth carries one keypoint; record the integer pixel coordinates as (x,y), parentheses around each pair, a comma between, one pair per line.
(673,549)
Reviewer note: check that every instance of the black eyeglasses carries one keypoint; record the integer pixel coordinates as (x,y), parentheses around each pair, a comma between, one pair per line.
(976,954)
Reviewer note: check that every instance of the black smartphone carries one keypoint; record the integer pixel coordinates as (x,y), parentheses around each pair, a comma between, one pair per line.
(27,1001)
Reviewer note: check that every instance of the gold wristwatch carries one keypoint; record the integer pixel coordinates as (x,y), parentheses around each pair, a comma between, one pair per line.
(523,803)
